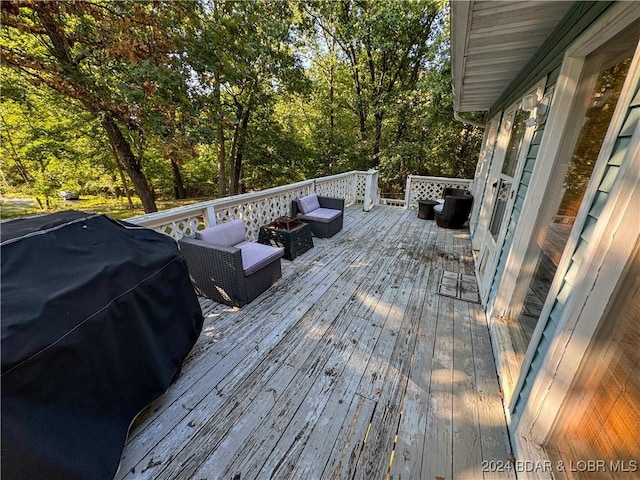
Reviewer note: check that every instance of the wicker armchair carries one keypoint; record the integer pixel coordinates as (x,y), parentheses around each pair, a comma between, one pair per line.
(219,272)
(454,212)
(323,214)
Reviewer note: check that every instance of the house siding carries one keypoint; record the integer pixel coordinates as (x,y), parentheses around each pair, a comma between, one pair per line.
(607,181)
(521,193)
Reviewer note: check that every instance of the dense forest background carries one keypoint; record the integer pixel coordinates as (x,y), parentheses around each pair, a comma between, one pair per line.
(216,97)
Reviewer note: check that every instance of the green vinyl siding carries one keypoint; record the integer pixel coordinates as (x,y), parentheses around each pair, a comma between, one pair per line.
(598,203)
(631,122)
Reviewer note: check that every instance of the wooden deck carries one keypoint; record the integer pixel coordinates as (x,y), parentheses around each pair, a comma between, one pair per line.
(350,367)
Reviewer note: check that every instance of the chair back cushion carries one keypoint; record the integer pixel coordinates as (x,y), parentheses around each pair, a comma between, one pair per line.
(227,234)
(456,192)
(309,203)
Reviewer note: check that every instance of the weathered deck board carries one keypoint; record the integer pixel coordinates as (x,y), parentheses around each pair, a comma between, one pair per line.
(349,367)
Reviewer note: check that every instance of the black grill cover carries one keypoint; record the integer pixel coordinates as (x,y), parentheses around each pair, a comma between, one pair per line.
(97,317)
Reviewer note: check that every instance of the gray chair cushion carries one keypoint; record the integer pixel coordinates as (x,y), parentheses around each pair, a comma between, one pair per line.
(256,255)
(227,234)
(309,203)
(438,208)
(324,215)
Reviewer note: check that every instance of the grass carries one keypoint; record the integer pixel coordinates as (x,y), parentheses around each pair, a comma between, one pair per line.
(15,207)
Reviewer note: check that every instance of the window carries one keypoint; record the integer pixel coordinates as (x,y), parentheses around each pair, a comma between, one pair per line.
(505,181)
(603,76)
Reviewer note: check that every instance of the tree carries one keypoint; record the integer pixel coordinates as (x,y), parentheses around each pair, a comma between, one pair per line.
(386,45)
(221,96)
(242,60)
(116,59)
(46,144)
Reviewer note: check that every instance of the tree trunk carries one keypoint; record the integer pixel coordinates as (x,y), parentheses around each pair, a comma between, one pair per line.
(237,162)
(222,162)
(332,123)
(360,108)
(233,152)
(332,120)
(378,136)
(222,170)
(461,151)
(178,185)
(219,121)
(360,103)
(130,163)
(123,179)
(403,115)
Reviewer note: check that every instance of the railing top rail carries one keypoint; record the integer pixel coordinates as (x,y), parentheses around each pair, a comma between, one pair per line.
(218,202)
(339,175)
(440,179)
(204,210)
(234,199)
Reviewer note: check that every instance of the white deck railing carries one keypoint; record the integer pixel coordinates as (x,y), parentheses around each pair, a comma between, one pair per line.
(261,207)
(429,188)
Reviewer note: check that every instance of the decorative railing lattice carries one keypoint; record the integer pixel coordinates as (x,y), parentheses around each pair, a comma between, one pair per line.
(361,185)
(179,228)
(261,211)
(338,186)
(429,188)
(256,208)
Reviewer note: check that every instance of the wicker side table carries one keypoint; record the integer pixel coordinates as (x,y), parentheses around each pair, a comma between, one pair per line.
(425,209)
(295,241)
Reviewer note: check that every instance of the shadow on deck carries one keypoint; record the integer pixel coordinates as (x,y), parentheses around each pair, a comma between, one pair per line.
(351,366)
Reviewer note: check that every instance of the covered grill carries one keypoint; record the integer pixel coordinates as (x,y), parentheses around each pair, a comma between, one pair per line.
(97,318)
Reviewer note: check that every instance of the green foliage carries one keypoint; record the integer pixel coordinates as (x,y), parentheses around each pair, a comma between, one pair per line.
(227,96)
(46,145)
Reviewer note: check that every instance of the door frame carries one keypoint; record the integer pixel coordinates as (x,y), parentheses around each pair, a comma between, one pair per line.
(485,162)
(490,248)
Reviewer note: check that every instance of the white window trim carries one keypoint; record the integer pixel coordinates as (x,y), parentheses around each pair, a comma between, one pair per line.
(584,309)
(554,134)
(485,160)
(488,202)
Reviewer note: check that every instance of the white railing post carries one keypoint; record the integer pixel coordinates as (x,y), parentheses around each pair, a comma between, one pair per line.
(370,190)
(376,188)
(209,216)
(407,192)
(354,188)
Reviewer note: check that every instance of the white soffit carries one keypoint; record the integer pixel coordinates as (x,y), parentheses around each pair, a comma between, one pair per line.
(491,41)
